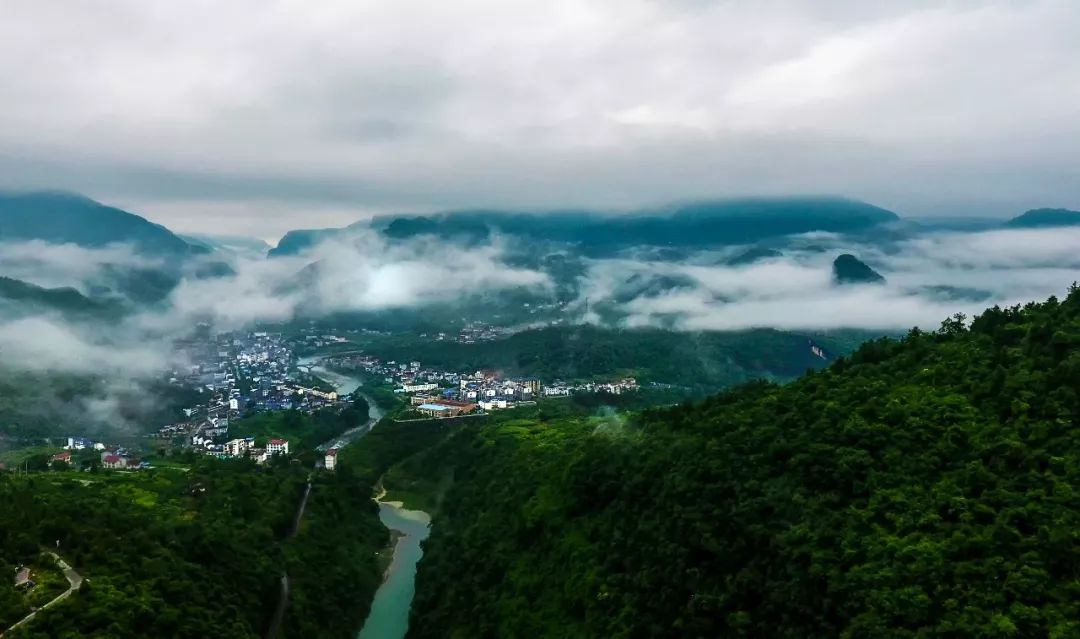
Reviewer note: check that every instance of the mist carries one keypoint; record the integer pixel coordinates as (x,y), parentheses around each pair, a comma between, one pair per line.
(928,278)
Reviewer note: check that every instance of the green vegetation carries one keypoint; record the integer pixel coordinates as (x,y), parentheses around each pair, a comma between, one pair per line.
(195,554)
(922,487)
(303,431)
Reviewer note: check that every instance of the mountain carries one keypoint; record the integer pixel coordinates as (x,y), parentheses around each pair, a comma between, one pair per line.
(60,218)
(848,269)
(696,224)
(296,242)
(1042,218)
(922,487)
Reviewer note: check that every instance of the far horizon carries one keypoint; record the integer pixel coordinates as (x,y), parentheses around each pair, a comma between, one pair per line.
(273,240)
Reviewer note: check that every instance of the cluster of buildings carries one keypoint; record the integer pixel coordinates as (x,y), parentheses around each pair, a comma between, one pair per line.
(480,332)
(242,373)
(242,447)
(109,457)
(437,393)
(562,389)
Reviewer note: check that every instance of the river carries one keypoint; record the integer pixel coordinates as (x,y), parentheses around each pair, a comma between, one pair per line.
(344,385)
(389,615)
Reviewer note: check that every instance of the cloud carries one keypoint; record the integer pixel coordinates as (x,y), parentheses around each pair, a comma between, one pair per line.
(282,115)
(929,278)
(360,271)
(49,344)
(58,265)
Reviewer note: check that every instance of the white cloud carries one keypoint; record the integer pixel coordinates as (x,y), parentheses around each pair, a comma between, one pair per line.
(796,291)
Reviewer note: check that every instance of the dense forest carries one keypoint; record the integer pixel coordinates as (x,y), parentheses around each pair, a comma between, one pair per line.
(303,430)
(200,553)
(923,486)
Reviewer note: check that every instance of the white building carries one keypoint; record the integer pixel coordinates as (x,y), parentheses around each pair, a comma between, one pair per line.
(238,447)
(277,447)
(331,459)
(419,388)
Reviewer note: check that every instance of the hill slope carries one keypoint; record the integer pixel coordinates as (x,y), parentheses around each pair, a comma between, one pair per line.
(59,218)
(1042,218)
(65,300)
(921,487)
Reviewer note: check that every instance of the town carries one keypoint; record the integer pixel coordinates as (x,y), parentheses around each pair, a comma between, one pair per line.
(239,374)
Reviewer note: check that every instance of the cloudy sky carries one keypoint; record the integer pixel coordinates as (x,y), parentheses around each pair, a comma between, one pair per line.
(257,116)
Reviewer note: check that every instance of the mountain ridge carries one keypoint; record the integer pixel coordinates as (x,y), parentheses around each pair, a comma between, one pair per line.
(62,218)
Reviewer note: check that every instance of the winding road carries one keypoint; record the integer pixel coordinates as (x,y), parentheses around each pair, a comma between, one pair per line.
(75,581)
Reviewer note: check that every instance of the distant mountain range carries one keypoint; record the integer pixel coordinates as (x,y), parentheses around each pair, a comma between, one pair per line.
(57,218)
(558,243)
(721,222)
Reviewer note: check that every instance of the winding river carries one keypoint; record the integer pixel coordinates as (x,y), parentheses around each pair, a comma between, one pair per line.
(389,615)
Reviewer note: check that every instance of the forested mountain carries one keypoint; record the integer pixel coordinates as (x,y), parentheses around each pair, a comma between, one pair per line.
(1041,218)
(59,218)
(922,487)
(719,222)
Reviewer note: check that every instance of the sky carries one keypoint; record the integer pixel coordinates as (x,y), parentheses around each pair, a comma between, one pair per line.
(258,116)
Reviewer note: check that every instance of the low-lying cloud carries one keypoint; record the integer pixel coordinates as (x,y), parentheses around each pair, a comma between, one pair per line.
(928,278)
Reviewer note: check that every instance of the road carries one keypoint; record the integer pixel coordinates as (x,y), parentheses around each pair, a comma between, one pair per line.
(75,581)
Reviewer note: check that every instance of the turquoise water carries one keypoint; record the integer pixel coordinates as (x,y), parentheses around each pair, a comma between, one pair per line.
(389,616)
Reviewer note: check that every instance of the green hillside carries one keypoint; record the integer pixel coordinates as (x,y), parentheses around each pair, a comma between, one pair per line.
(922,487)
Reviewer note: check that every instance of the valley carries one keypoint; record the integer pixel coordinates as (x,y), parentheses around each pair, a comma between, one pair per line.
(609,437)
